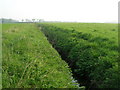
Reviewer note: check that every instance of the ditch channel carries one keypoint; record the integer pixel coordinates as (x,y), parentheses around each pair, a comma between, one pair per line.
(84,81)
(90,58)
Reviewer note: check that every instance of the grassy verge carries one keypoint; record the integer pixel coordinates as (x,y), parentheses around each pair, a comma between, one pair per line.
(29,61)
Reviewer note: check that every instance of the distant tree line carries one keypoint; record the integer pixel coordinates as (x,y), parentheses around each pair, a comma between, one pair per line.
(32,20)
(3,20)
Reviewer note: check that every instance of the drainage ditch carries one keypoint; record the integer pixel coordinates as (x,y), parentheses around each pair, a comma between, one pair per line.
(87,56)
(84,80)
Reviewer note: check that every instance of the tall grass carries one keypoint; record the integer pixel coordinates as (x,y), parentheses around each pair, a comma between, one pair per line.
(29,61)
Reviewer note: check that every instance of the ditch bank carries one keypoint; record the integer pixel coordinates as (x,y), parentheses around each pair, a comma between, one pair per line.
(85,55)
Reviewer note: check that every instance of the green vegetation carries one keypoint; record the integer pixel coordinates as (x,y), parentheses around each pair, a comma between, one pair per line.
(0,56)
(90,49)
(29,61)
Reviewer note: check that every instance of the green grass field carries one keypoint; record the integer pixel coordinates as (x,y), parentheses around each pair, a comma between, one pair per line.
(107,30)
(90,49)
(29,61)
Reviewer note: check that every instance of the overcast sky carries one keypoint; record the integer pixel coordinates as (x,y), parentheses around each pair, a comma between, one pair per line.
(61,10)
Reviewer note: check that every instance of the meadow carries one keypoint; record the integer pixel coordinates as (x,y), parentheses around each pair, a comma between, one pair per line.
(60,55)
(30,61)
(90,49)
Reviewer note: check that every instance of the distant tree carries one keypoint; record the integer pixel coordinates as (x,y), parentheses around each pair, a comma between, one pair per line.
(41,20)
(38,20)
(22,20)
(33,20)
(27,20)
